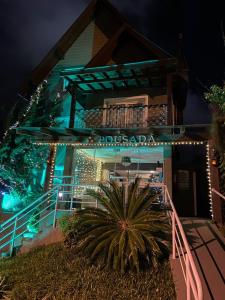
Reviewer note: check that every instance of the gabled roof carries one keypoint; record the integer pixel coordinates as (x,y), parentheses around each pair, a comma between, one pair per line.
(115,25)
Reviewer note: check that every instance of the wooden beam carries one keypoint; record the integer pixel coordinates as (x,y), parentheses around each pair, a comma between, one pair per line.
(78,132)
(110,79)
(53,132)
(90,86)
(81,78)
(102,85)
(72,108)
(108,91)
(125,83)
(106,75)
(28,132)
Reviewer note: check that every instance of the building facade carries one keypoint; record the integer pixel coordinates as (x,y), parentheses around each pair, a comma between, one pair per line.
(122,99)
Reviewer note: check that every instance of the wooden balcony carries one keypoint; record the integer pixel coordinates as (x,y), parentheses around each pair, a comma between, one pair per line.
(121,116)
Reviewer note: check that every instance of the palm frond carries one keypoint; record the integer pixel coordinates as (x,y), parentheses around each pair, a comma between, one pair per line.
(122,236)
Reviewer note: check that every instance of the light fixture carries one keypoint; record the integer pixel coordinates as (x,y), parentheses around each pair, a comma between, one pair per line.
(214,162)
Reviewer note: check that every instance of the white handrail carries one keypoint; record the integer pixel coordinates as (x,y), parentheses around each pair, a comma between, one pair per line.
(50,202)
(218,193)
(191,276)
(12,229)
(27,207)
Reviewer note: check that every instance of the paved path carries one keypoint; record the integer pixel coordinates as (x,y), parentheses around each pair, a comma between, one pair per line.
(208,248)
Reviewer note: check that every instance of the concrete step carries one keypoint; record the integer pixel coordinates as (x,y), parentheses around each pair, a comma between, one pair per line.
(53,235)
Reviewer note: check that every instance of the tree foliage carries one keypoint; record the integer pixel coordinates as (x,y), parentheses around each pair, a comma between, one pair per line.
(123,235)
(216,97)
(22,162)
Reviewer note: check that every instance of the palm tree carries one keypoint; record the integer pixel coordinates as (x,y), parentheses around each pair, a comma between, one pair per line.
(124,234)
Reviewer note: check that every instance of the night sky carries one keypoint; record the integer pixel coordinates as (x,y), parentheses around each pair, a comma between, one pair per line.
(29,29)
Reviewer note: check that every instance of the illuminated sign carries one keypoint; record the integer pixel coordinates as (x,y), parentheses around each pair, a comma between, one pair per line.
(126,139)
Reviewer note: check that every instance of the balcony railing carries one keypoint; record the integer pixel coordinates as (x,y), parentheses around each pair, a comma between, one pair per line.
(135,116)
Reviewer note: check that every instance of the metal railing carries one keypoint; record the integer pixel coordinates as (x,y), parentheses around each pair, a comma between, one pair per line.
(13,229)
(181,250)
(221,204)
(53,201)
(121,116)
(43,212)
(218,193)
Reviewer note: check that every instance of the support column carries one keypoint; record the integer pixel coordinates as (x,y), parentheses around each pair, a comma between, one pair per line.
(69,150)
(72,106)
(50,167)
(170,113)
(167,168)
(68,164)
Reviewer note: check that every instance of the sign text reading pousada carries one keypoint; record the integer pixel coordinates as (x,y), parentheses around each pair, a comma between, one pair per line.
(127,139)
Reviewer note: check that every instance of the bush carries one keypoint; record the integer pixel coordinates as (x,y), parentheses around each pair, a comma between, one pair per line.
(128,234)
(72,229)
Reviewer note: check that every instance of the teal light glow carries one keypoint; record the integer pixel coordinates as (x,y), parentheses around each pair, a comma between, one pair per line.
(11,202)
(109,67)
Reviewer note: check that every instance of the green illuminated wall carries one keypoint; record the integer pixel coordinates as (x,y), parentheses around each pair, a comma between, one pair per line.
(11,202)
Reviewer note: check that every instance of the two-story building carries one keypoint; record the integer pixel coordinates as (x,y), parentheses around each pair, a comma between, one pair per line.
(121,118)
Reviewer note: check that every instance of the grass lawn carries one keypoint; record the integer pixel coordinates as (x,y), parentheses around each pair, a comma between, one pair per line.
(55,272)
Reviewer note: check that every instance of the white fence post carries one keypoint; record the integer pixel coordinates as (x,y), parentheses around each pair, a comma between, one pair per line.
(173,236)
(188,287)
(13,237)
(55,210)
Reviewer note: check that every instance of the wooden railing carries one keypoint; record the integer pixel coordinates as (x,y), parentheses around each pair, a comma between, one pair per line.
(135,116)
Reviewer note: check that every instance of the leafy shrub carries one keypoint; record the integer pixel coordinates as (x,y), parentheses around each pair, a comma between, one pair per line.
(72,229)
(124,235)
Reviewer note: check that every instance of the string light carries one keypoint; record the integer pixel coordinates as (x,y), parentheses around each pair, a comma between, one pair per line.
(87,167)
(52,167)
(153,144)
(208,170)
(98,168)
(33,99)
(4,184)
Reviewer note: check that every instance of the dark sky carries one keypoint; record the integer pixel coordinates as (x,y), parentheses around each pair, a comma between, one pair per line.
(29,28)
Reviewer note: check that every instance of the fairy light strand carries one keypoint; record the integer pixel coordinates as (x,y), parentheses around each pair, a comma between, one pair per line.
(208,170)
(83,145)
(52,167)
(33,99)
(152,144)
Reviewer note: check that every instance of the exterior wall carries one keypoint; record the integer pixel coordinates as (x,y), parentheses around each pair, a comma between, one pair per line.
(81,51)
(99,40)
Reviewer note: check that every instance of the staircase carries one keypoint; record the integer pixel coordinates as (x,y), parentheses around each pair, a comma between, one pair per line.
(16,233)
(54,235)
